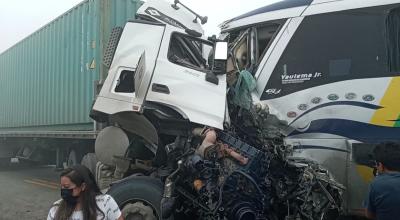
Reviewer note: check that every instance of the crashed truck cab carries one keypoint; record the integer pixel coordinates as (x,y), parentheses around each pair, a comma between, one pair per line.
(165,87)
(159,72)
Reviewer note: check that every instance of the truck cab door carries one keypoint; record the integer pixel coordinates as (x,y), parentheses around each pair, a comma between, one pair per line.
(179,79)
(132,68)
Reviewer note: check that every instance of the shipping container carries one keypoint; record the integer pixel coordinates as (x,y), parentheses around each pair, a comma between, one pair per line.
(47,80)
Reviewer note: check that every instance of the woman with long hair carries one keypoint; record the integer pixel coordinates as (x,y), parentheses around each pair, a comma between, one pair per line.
(82,199)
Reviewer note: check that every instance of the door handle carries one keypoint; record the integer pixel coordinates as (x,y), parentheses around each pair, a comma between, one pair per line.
(160,88)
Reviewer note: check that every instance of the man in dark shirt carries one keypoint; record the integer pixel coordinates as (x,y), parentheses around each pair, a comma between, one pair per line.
(383,200)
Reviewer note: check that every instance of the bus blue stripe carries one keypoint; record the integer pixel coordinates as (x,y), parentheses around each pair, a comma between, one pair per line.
(353,130)
(353,103)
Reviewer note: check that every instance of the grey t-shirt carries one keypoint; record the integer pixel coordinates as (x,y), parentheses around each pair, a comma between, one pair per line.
(384,196)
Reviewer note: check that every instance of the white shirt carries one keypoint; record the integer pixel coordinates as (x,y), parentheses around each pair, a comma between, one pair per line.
(105,202)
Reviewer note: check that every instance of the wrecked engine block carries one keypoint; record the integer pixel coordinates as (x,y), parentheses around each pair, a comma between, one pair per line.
(226,178)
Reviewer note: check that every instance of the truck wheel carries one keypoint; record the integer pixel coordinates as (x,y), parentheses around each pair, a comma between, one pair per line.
(138,197)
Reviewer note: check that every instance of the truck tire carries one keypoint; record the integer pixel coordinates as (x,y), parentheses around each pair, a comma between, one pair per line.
(138,197)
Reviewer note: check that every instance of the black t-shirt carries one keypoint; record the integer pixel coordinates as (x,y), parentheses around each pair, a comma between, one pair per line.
(384,196)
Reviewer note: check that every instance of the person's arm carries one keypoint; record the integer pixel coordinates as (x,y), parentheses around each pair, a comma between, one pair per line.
(115,213)
(52,213)
(49,217)
(370,209)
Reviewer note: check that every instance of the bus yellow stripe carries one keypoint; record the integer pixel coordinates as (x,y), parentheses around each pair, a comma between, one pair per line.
(391,105)
(365,172)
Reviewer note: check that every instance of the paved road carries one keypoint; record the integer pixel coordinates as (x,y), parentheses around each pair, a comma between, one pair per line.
(27,192)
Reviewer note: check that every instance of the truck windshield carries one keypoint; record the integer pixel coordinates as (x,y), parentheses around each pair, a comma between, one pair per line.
(190,52)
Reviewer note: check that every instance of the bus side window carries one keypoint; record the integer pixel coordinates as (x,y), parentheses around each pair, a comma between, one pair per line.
(338,46)
(265,35)
(393,39)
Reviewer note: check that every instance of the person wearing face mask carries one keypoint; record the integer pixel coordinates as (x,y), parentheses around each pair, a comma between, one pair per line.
(82,199)
(383,200)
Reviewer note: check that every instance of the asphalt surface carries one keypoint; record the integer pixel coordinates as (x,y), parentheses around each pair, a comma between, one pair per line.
(27,192)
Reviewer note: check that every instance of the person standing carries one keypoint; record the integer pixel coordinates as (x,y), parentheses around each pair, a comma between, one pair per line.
(383,200)
(82,199)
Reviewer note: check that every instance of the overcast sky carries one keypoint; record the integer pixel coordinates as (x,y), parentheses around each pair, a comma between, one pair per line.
(19,18)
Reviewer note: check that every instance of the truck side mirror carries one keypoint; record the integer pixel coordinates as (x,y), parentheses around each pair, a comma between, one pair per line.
(219,62)
(220,57)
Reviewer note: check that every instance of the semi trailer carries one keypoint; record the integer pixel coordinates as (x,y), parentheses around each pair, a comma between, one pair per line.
(48,83)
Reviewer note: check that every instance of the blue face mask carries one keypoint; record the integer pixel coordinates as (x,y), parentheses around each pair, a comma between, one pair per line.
(66,195)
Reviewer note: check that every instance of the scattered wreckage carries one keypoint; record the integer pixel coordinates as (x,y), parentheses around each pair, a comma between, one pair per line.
(217,175)
(242,173)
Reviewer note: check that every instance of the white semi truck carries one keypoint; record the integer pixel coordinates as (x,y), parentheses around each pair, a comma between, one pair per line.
(278,125)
